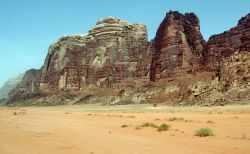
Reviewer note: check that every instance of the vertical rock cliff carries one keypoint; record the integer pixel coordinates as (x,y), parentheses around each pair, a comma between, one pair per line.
(117,50)
(113,52)
(113,63)
(228,55)
(226,44)
(178,45)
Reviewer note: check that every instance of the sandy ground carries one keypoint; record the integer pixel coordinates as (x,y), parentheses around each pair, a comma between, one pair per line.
(94,129)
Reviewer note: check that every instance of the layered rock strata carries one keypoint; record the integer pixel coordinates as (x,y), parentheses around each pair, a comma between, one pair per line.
(223,45)
(178,44)
(111,53)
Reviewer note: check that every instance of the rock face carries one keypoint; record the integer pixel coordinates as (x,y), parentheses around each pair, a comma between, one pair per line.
(226,44)
(234,71)
(117,50)
(178,44)
(10,85)
(113,52)
(65,65)
(228,55)
(113,63)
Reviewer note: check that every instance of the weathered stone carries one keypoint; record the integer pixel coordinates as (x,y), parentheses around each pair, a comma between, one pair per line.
(178,44)
(112,52)
(117,51)
(65,65)
(236,39)
(234,71)
(113,62)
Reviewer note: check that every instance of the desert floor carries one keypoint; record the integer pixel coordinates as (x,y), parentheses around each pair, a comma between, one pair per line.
(96,129)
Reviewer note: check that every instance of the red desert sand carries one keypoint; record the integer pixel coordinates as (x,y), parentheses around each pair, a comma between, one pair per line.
(95,129)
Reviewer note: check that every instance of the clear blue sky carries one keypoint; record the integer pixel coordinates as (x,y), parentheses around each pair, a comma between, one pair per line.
(28,27)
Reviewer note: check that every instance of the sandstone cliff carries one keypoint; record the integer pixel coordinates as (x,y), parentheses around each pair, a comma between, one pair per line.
(228,54)
(178,45)
(115,64)
(226,44)
(113,54)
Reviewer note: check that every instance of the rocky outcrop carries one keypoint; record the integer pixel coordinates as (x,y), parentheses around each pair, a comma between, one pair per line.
(117,51)
(228,55)
(178,45)
(234,71)
(113,51)
(113,63)
(113,54)
(10,85)
(25,87)
(65,66)
(226,44)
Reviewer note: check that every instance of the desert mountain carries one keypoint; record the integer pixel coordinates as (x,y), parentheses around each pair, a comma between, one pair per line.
(115,64)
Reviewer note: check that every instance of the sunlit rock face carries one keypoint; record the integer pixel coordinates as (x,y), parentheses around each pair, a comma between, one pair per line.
(65,65)
(223,45)
(228,54)
(234,71)
(178,44)
(117,50)
(112,51)
(114,63)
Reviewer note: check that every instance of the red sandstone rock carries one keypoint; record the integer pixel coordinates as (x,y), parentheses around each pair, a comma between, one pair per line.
(178,44)
(113,51)
(226,44)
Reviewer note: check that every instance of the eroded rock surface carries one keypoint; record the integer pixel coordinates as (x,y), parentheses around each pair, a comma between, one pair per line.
(113,62)
(223,45)
(113,54)
(117,51)
(178,45)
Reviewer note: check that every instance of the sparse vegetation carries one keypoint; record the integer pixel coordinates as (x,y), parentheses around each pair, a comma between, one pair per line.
(189,121)
(148,124)
(137,127)
(19,113)
(243,137)
(162,127)
(130,116)
(123,126)
(203,132)
(176,119)
(210,122)
(67,113)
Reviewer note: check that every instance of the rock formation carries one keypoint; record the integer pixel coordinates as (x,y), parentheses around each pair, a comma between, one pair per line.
(10,85)
(234,71)
(178,44)
(113,52)
(113,63)
(227,54)
(226,44)
(117,51)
